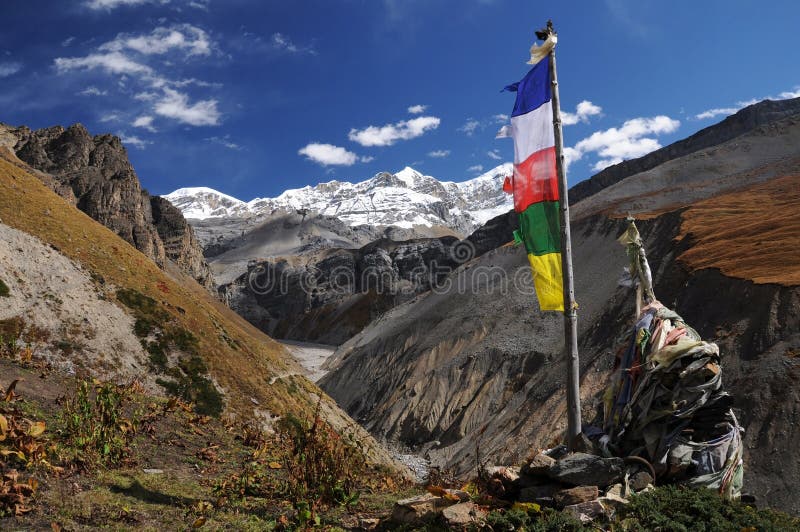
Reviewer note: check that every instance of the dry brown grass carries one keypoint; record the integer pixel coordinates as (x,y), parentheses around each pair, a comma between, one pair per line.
(243,364)
(750,234)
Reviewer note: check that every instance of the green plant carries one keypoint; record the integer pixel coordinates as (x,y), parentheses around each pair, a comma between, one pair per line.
(188,380)
(10,331)
(4,291)
(94,422)
(190,385)
(684,509)
(547,520)
(322,467)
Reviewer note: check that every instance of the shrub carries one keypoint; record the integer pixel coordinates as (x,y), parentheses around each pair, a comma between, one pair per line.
(322,467)
(10,332)
(546,520)
(682,509)
(94,423)
(188,380)
(4,291)
(190,385)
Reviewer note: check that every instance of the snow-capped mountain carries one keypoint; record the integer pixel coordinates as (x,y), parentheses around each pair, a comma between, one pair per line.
(199,203)
(404,199)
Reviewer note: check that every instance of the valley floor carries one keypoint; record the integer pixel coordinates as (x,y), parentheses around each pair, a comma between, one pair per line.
(311,356)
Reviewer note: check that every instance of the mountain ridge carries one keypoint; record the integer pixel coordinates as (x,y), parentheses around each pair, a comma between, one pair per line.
(404,199)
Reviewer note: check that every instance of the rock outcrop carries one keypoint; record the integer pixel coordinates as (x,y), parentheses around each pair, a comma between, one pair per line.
(94,174)
(329,296)
(180,243)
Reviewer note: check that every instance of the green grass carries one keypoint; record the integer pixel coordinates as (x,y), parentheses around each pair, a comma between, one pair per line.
(4,291)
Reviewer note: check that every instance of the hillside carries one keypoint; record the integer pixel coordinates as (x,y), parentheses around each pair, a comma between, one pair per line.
(94,174)
(195,346)
(739,123)
(477,366)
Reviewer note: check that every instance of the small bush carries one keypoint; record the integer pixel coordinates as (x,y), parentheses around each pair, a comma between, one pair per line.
(142,304)
(519,519)
(683,509)
(94,423)
(322,467)
(188,380)
(10,332)
(4,291)
(195,389)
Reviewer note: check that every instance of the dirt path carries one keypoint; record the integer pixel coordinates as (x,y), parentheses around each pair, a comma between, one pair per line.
(311,357)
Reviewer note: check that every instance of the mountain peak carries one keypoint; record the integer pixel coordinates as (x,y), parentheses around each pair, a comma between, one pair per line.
(404,199)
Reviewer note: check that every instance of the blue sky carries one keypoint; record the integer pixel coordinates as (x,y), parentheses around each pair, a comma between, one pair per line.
(252,97)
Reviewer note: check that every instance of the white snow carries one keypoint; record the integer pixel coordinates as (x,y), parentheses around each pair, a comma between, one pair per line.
(403,199)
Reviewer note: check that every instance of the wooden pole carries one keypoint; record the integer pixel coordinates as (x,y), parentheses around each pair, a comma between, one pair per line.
(570,308)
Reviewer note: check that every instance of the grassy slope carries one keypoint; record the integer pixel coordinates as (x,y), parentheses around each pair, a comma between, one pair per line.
(750,234)
(243,365)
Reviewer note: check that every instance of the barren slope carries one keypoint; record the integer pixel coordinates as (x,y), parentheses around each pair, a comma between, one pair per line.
(257,376)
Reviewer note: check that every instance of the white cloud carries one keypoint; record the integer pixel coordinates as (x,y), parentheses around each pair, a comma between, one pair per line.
(501,119)
(132,58)
(583,111)
(110,117)
(132,140)
(494,154)
(391,133)
(785,95)
(66,42)
(476,168)
(328,154)
(282,42)
(183,37)
(176,105)
(366,159)
(111,4)
(145,122)
(145,96)
(470,126)
(225,141)
(417,109)
(92,91)
(570,155)
(439,154)
(718,111)
(629,141)
(111,63)
(9,69)
(711,113)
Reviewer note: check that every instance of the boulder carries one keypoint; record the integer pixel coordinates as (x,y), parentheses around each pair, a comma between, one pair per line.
(640,480)
(537,493)
(503,481)
(585,511)
(418,510)
(538,466)
(462,514)
(577,495)
(586,469)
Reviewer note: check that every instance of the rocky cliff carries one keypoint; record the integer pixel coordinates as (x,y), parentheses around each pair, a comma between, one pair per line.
(94,174)
(180,243)
(330,295)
